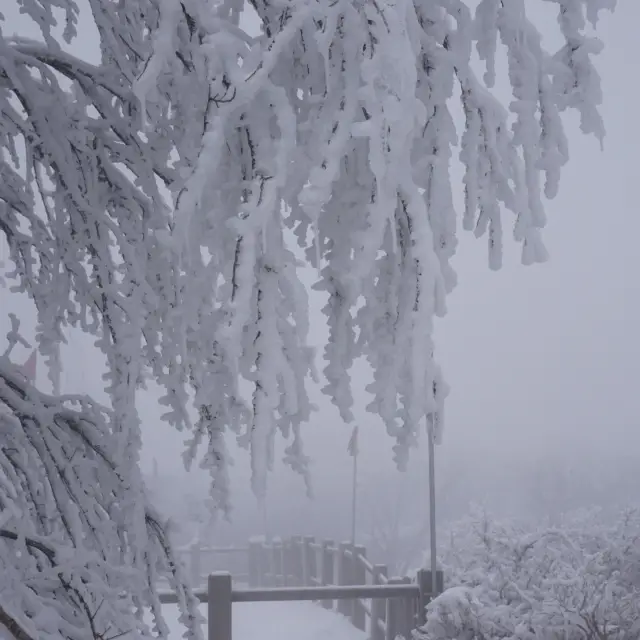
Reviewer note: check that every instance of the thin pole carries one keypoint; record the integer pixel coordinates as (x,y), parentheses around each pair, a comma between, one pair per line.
(265,521)
(354,498)
(432,502)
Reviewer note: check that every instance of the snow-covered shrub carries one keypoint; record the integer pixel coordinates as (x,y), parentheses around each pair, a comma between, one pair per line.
(580,581)
(455,614)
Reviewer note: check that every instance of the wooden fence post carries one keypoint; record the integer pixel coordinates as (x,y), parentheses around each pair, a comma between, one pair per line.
(424,584)
(399,614)
(359,576)
(219,607)
(407,607)
(265,565)
(423,578)
(278,563)
(297,561)
(195,559)
(310,564)
(255,564)
(393,626)
(270,563)
(378,605)
(328,565)
(288,562)
(345,564)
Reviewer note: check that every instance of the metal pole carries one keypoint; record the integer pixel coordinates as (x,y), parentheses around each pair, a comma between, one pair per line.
(432,502)
(354,498)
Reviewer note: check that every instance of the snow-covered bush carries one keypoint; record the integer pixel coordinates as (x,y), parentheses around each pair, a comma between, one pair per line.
(580,581)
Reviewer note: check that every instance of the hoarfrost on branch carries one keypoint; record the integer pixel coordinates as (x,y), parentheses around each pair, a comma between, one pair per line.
(149,199)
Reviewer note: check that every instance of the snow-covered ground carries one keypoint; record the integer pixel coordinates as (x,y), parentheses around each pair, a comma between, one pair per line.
(271,621)
(279,621)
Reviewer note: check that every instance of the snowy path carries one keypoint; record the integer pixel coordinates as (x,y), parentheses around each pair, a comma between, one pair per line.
(279,621)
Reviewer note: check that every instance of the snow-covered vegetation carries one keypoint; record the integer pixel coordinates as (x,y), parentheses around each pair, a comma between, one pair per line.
(509,581)
(73,563)
(148,199)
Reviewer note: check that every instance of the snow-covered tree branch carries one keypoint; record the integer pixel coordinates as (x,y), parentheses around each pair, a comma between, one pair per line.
(148,198)
(72,545)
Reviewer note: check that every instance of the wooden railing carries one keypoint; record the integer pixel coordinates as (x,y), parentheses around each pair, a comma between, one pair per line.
(201,560)
(336,576)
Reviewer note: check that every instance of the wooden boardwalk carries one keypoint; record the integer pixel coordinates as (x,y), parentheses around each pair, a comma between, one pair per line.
(278,621)
(318,583)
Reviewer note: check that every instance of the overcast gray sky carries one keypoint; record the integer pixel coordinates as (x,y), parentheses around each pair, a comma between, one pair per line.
(537,357)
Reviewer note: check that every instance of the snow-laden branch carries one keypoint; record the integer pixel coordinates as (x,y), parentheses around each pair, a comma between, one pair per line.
(149,198)
(76,561)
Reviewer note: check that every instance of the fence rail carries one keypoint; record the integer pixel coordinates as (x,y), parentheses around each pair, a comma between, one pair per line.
(313,594)
(334,575)
(202,560)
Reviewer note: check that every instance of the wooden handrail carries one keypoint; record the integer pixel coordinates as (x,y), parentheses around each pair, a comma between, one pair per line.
(311,594)
(221,550)
(367,565)
(170,597)
(303,569)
